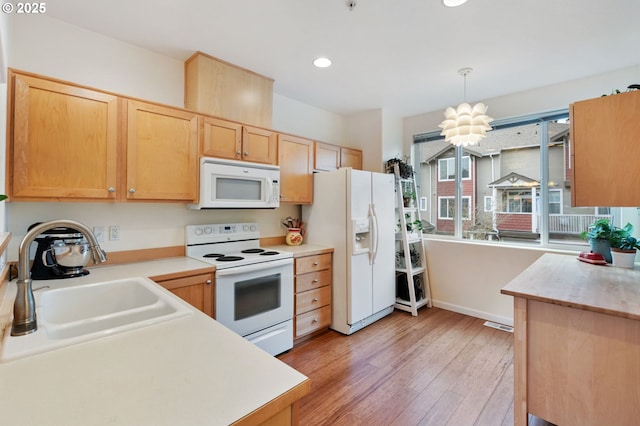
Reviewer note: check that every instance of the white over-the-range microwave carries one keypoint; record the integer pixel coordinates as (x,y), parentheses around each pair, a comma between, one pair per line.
(231,184)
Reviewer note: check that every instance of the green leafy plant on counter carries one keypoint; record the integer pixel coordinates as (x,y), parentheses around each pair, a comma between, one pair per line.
(598,230)
(3,197)
(621,238)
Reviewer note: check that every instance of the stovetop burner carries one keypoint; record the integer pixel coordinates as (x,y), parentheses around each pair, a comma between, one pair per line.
(229,258)
(231,245)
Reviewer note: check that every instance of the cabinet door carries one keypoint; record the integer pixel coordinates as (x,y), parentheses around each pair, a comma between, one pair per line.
(295,157)
(197,290)
(351,158)
(222,139)
(162,153)
(327,157)
(63,141)
(259,145)
(604,140)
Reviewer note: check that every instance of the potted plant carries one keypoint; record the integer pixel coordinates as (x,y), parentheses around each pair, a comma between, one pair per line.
(404,168)
(599,236)
(623,246)
(409,199)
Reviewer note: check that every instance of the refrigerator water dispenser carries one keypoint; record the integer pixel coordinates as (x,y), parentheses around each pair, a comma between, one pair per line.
(361,235)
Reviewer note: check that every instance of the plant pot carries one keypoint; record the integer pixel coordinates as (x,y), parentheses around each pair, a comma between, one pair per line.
(603,247)
(623,258)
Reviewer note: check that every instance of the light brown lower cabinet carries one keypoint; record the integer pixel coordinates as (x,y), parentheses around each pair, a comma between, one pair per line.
(196,288)
(312,294)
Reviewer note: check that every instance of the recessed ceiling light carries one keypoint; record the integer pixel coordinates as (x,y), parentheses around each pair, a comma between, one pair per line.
(453,3)
(322,62)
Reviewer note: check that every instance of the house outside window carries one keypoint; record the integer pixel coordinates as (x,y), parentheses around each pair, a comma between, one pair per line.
(516,201)
(447,207)
(447,168)
(488,203)
(555,201)
(505,178)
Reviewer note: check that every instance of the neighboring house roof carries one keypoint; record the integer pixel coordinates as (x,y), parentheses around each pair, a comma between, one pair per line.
(498,141)
(514,180)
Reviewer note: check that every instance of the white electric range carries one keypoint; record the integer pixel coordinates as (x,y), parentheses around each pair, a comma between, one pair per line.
(254,285)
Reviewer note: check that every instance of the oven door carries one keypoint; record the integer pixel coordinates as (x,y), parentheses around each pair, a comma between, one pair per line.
(254,297)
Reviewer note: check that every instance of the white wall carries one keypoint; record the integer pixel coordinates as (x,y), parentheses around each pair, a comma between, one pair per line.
(304,120)
(50,47)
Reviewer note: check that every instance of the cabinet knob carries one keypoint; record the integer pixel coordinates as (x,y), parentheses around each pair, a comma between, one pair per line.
(315,299)
(132,190)
(315,320)
(238,152)
(208,282)
(315,263)
(111,189)
(246,154)
(315,280)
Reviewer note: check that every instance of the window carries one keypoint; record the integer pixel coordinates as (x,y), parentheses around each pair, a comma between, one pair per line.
(555,201)
(488,203)
(448,207)
(516,201)
(447,168)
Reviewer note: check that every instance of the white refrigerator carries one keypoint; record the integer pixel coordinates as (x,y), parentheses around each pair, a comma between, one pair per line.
(353,212)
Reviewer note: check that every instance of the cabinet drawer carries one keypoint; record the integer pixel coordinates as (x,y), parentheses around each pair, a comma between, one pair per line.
(312,321)
(313,299)
(313,280)
(313,263)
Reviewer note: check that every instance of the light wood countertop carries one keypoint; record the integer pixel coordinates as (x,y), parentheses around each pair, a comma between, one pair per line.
(566,281)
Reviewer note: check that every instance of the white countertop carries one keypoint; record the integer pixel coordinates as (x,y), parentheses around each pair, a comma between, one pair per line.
(189,371)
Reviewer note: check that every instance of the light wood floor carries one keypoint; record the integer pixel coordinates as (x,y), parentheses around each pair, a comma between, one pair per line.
(439,368)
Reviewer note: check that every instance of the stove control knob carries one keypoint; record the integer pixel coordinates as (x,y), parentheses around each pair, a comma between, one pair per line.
(197,231)
(253,228)
(207,230)
(245,228)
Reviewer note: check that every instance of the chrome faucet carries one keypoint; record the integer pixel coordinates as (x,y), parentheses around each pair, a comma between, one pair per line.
(24,307)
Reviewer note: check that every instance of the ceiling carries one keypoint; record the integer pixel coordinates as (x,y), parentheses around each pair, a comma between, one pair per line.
(400,55)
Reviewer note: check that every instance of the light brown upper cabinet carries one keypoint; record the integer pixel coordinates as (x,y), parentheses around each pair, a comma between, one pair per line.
(605,149)
(63,141)
(332,157)
(221,89)
(351,158)
(327,156)
(162,153)
(295,157)
(226,139)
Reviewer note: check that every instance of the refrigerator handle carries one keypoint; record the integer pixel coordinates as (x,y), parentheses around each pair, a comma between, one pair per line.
(374,237)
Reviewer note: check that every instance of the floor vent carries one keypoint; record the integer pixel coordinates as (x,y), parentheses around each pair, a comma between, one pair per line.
(502,327)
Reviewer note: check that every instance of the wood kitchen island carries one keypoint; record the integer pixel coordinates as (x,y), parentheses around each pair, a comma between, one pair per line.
(576,342)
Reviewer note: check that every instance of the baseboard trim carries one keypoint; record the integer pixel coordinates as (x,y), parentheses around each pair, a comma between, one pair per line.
(473,312)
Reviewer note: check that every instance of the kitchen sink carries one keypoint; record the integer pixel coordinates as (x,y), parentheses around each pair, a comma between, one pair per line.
(77,314)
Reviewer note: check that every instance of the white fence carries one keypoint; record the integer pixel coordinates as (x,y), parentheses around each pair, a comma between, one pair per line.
(571,223)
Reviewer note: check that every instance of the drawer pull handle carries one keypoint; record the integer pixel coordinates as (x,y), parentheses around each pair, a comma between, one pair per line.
(208,282)
(315,299)
(315,280)
(315,320)
(315,263)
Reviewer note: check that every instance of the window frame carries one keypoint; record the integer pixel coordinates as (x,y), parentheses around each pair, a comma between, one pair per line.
(451,197)
(452,160)
(541,119)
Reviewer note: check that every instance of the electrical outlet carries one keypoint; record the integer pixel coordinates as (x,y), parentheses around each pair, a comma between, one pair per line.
(114,232)
(98,231)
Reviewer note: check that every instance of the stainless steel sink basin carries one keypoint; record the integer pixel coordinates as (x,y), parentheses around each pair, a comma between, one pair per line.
(72,315)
